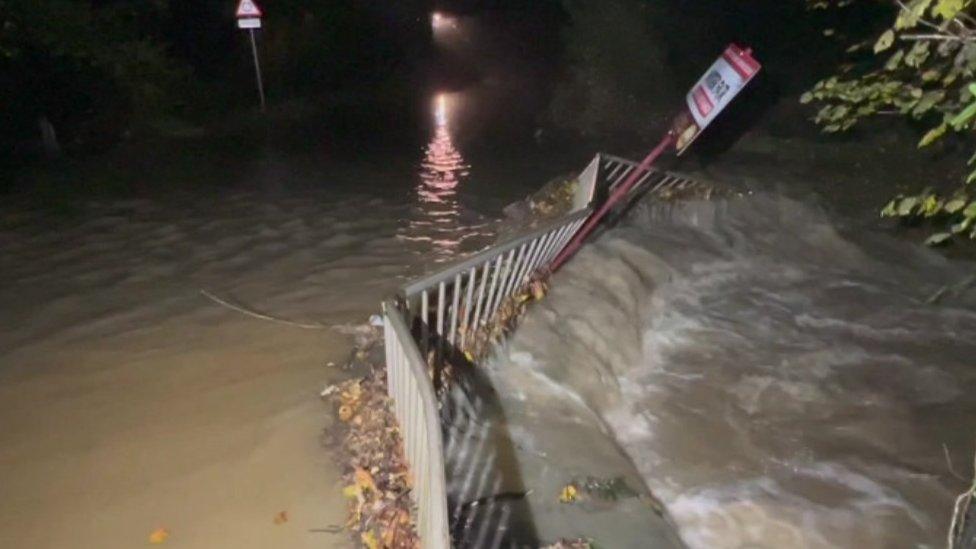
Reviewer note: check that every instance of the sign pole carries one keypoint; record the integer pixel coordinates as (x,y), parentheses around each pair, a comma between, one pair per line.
(257,70)
(723,81)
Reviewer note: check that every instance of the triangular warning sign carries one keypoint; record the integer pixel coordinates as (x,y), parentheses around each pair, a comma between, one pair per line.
(247,8)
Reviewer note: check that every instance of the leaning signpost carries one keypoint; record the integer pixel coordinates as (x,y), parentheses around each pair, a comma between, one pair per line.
(249,18)
(710,95)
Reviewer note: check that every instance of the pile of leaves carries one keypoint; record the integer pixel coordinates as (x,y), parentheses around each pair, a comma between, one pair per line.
(555,198)
(478,340)
(376,475)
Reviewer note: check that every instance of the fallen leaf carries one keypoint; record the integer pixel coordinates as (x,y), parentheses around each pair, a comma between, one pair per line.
(364,480)
(158,536)
(281,518)
(569,494)
(369,540)
(351,491)
(345,413)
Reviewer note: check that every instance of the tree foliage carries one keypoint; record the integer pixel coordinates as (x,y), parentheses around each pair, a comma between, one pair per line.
(922,66)
(80,65)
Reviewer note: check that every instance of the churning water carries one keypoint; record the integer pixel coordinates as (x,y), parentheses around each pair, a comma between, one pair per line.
(776,382)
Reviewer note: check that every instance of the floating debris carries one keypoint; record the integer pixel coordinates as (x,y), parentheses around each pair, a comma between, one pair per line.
(158,536)
(569,494)
(555,198)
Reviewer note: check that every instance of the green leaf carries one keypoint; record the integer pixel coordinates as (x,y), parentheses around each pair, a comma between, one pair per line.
(894,60)
(806,98)
(961,227)
(954,205)
(938,238)
(932,135)
(907,206)
(929,100)
(970,212)
(908,18)
(947,9)
(884,41)
(931,205)
(960,120)
(917,55)
(890,209)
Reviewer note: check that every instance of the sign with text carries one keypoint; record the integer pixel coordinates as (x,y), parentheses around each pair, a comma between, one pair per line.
(716,89)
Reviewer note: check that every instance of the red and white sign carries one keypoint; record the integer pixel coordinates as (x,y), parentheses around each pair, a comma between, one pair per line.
(721,83)
(247,9)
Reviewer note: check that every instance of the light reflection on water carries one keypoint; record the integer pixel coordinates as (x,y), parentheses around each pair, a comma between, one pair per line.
(442,170)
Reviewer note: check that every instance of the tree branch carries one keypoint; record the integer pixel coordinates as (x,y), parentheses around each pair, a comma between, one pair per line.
(937,36)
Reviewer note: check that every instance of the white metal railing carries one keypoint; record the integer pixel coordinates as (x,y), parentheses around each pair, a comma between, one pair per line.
(415,407)
(431,318)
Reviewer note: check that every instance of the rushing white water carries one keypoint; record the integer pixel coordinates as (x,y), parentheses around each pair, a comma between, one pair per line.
(777,383)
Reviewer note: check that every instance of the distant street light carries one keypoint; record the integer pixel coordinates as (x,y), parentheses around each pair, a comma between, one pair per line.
(439,21)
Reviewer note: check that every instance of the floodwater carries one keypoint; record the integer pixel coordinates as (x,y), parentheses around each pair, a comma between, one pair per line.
(131,402)
(779,376)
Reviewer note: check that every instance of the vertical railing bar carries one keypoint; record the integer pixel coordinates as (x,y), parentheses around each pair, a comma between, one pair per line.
(560,240)
(481,296)
(648,173)
(502,283)
(506,281)
(543,243)
(570,231)
(468,306)
(660,184)
(550,249)
(550,239)
(526,266)
(491,292)
(456,295)
(439,349)
(424,335)
(623,175)
(516,271)
(441,297)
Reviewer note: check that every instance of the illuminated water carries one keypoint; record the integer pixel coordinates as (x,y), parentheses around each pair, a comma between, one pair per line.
(130,402)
